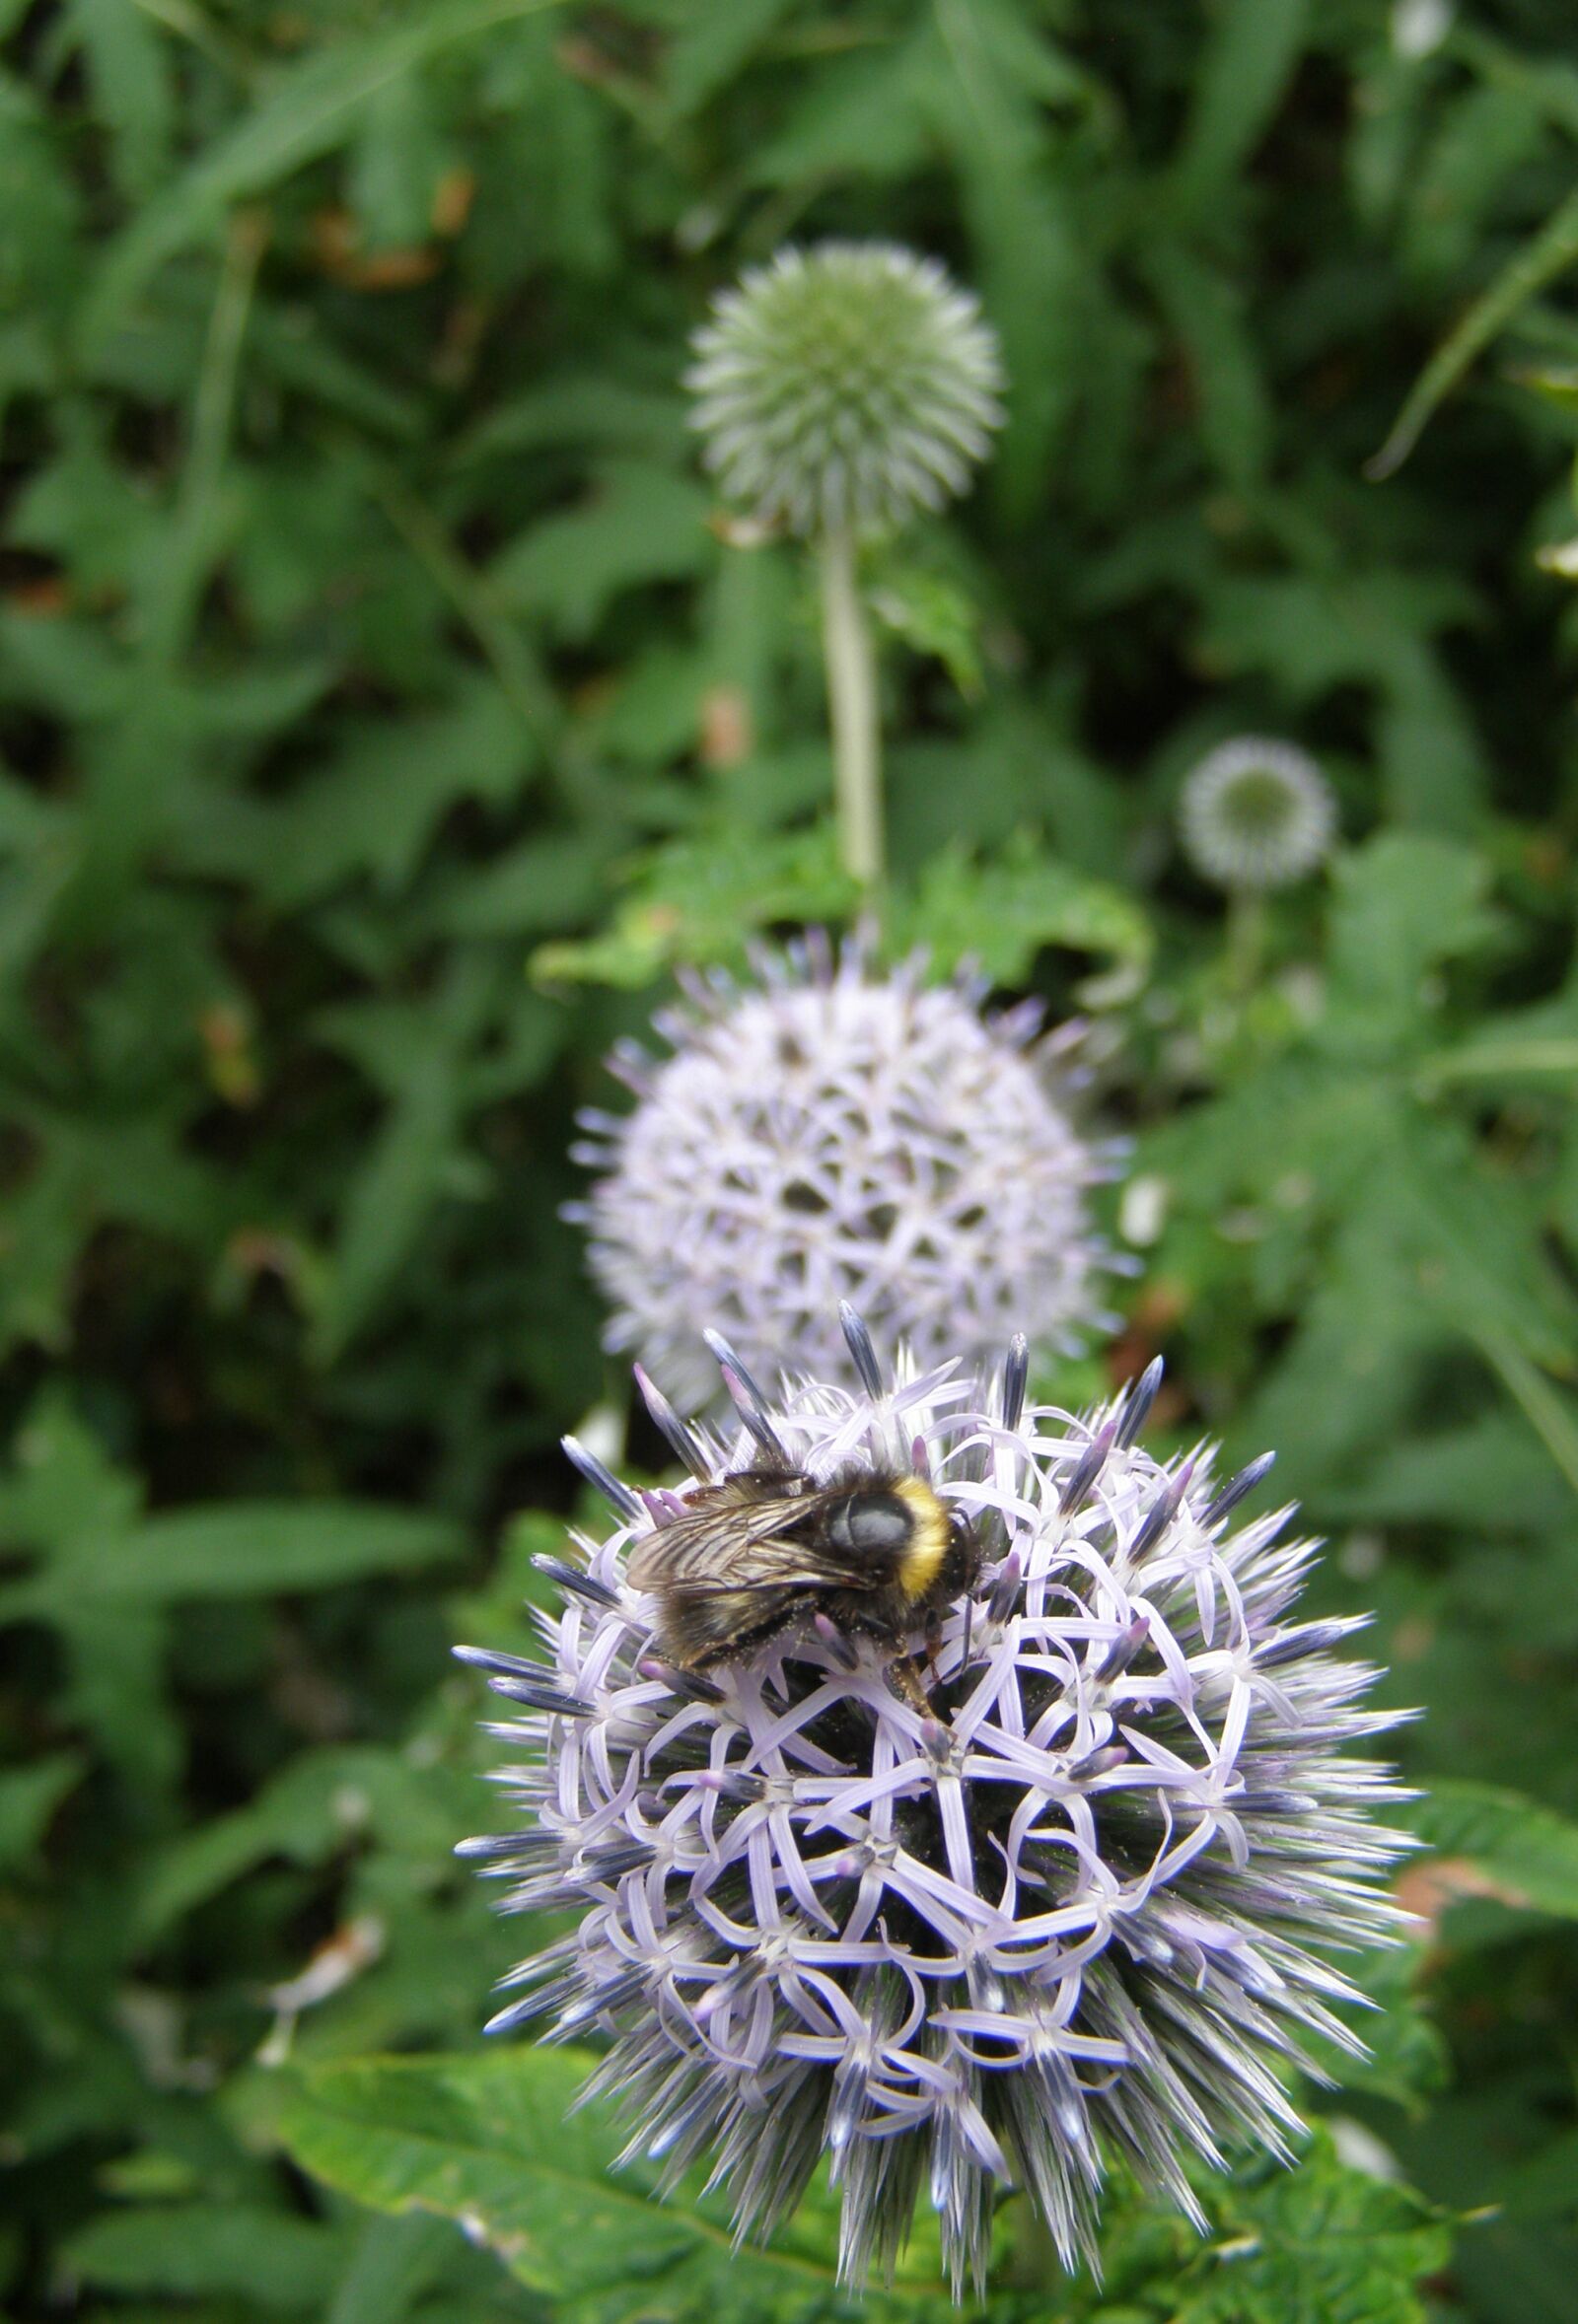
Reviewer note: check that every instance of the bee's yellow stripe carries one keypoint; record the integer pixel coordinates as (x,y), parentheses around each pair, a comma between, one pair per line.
(923,1553)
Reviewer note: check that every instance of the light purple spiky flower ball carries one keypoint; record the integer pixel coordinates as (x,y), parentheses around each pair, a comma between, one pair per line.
(836,1132)
(1078,1911)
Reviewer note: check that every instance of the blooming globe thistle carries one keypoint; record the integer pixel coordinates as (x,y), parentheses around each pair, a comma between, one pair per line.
(844,386)
(836,1133)
(1256,814)
(1053,1893)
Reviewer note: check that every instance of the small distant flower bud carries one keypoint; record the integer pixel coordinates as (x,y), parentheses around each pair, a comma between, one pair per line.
(1256,814)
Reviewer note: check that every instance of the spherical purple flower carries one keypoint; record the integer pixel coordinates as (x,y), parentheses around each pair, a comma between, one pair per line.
(836,1133)
(1056,1891)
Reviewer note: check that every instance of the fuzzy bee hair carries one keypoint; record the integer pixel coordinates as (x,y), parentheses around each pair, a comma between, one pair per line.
(876,1552)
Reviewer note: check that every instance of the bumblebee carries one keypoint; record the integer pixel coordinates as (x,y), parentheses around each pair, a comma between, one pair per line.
(874,1553)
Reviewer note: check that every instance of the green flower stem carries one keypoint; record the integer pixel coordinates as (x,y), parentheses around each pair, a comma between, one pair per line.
(852,705)
(1246,939)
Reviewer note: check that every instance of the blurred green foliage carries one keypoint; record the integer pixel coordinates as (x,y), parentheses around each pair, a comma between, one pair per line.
(383,712)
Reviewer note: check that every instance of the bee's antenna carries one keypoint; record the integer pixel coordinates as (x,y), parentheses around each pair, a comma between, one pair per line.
(671,1426)
(620,1498)
(858,1340)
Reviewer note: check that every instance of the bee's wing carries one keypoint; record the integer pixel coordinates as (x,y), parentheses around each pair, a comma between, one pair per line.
(723,1547)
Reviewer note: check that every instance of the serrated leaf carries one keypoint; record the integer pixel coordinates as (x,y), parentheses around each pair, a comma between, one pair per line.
(1524,1855)
(933,616)
(1318,2244)
(491,2140)
(699,900)
(1002,912)
(1404,904)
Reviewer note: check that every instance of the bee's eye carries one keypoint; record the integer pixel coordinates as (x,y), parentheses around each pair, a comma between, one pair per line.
(872,1521)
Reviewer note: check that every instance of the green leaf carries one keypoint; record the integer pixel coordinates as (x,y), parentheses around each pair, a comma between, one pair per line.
(233,1549)
(550,882)
(1205,311)
(408,1164)
(1519,1854)
(1489,1474)
(712,46)
(194,2249)
(1254,49)
(373,803)
(129,73)
(933,615)
(396,164)
(641,524)
(1404,904)
(394,2262)
(491,2140)
(1318,2244)
(699,900)
(318,1803)
(28,1798)
(1531,1047)
(1002,912)
(609,414)
(1547,255)
(983,78)
(309,112)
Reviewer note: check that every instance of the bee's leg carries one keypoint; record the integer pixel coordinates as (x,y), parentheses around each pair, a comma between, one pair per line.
(934,1644)
(905,1673)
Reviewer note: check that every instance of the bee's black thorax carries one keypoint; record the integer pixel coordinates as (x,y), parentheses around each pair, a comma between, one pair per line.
(905,1555)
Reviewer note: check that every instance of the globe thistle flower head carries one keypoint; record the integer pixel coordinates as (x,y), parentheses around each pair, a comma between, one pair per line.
(844,386)
(1059,1889)
(1256,814)
(833,1132)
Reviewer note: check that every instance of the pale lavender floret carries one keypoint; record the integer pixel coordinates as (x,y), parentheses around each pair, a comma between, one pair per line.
(836,1134)
(1080,1910)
